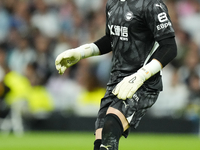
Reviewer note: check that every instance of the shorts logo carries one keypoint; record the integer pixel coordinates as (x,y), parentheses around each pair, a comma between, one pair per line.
(135,97)
(126,105)
(129,16)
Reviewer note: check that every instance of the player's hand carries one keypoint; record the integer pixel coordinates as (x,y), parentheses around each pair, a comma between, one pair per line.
(66,59)
(128,86)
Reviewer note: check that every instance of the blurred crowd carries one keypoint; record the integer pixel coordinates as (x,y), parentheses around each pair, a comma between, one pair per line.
(34,32)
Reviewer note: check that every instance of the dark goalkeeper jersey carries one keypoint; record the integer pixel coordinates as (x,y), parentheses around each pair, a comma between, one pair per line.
(134,26)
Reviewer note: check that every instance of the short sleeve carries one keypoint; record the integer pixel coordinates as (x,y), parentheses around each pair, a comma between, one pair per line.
(158,20)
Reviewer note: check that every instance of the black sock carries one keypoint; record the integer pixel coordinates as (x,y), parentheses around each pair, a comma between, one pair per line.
(111,132)
(97,144)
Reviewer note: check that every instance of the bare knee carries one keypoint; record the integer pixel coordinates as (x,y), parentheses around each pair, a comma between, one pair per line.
(122,118)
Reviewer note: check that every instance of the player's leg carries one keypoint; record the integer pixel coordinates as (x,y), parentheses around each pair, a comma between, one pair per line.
(115,124)
(98,136)
(109,118)
(100,122)
(123,114)
(111,110)
(98,133)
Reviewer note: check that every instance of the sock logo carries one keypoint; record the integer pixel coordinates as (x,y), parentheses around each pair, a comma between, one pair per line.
(106,147)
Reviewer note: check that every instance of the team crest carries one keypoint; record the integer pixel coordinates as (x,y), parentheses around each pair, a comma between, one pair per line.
(129,16)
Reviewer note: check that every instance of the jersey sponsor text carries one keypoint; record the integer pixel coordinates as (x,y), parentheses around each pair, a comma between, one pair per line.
(120,31)
(163,25)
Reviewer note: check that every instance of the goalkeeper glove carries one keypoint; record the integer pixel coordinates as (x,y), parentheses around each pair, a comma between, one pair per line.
(70,57)
(130,84)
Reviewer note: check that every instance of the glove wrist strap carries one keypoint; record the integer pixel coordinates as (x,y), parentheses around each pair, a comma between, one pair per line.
(144,73)
(150,69)
(88,50)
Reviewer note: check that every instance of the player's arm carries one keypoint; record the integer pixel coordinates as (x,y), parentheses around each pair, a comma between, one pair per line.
(166,52)
(72,56)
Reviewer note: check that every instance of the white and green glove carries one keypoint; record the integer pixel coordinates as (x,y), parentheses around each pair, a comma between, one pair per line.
(70,57)
(130,84)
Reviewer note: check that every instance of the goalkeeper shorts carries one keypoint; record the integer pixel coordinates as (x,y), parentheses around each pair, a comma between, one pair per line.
(133,109)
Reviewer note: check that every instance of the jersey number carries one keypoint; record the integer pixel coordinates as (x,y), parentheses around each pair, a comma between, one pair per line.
(162,17)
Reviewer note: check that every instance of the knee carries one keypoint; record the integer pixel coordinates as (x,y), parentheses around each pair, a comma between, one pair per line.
(113,125)
(111,132)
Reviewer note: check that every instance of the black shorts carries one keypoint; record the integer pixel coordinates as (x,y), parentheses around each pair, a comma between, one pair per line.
(133,109)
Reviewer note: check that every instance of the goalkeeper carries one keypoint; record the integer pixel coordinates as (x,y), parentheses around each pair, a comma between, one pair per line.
(142,40)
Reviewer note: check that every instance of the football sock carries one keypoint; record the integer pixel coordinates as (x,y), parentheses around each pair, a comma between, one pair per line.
(111,132)
(97,144)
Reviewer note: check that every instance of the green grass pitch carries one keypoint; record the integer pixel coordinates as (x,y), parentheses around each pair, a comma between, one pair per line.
(84,141)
